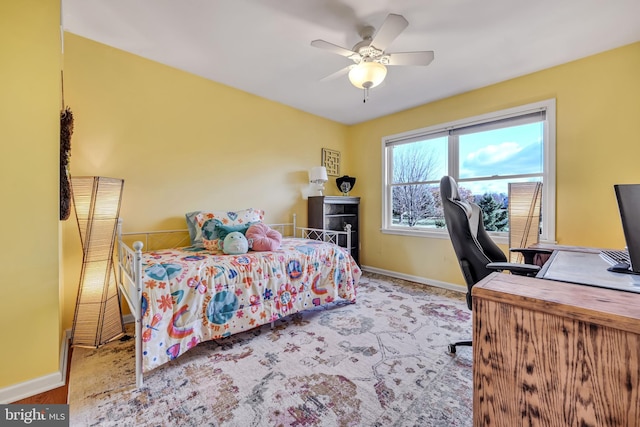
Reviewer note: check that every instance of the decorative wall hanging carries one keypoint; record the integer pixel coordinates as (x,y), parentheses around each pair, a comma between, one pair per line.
(331,161)
(66,130)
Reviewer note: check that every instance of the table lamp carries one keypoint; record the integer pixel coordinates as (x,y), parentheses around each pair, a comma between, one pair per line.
(318,177)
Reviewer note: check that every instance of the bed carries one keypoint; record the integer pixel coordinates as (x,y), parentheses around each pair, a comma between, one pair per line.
(184,295)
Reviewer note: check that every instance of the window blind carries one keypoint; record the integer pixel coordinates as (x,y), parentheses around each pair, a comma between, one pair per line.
(518,119)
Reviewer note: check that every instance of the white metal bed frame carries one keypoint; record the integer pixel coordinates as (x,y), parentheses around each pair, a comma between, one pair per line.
(130,268)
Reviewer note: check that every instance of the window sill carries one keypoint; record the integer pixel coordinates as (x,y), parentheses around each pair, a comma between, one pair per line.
(436,234)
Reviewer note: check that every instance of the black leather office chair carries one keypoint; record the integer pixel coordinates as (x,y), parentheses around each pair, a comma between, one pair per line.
(477,254)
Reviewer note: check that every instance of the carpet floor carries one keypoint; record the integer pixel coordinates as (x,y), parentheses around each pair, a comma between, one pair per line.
(382,361)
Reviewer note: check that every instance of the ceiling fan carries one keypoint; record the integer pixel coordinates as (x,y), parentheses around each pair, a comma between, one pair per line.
(369,56)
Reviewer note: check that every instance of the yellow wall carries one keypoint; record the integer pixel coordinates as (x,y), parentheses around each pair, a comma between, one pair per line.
(598,145)
(29,119)
(182,143)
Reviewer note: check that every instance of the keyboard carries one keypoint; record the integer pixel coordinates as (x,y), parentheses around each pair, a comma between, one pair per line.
(614,257)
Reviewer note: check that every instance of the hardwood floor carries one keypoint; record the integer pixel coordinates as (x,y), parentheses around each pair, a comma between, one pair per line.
(55,396)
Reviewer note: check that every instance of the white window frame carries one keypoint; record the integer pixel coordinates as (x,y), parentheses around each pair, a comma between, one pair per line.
(549,168)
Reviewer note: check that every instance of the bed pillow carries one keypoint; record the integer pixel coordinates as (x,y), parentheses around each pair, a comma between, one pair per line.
(192,226)
(205,222)
(264,238)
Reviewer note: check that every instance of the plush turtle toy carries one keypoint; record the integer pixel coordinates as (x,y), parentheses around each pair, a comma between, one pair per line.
(235,244)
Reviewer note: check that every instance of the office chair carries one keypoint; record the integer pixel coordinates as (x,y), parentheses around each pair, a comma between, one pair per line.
(477,254)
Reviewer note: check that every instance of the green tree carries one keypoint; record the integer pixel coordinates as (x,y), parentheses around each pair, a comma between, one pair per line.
(493,212)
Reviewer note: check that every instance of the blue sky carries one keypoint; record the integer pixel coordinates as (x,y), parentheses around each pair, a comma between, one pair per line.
(510,151)
(507,151)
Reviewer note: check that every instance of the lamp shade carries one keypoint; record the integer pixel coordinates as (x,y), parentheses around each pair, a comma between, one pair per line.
(366,75)
(318,175)
(98,317)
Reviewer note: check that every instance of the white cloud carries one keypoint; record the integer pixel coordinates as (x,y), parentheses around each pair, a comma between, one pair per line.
(492,154)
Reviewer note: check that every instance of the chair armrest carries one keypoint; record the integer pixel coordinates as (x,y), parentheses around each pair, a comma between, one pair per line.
(533,256)
(514,268)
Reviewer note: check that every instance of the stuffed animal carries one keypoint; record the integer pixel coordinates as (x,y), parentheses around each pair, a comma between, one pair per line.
(261,237)
(235,244)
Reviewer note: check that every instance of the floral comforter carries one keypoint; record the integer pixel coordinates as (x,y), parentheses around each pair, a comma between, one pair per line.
(191,295)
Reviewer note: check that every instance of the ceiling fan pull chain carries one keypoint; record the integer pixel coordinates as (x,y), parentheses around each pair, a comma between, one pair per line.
(366,95)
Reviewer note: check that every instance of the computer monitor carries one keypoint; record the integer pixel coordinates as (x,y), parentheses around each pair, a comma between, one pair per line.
(628,196)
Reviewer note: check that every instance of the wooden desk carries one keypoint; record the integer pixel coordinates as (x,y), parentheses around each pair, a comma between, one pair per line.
(554,354)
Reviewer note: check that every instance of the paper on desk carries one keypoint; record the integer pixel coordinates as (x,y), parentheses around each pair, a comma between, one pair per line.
(589,269)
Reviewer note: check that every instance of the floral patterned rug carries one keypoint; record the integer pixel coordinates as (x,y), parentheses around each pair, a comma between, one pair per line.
(382,361)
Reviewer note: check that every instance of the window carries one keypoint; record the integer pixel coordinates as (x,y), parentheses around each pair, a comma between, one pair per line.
(484,154)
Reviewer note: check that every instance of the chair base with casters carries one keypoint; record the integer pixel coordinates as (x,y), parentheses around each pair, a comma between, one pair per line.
(477,254)
(513,268)
(452,347)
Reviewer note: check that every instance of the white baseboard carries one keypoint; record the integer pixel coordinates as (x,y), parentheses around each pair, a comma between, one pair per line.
(41,384)
(417,279)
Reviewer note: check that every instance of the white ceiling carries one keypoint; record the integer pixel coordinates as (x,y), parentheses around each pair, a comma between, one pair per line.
(263,46)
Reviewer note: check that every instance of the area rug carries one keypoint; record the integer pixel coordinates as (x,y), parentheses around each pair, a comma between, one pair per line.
(382,361)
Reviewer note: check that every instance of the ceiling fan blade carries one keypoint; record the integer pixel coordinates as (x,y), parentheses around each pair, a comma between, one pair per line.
(337,74)
(333,48)
(411,58)
(391,28)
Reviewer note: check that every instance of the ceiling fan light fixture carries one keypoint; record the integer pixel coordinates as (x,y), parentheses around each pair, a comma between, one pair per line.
(367,75)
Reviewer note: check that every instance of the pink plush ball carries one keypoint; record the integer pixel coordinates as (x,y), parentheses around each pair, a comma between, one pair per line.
(264,237)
